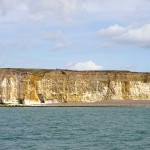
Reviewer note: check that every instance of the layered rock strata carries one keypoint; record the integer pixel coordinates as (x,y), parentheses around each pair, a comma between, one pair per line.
(33,86)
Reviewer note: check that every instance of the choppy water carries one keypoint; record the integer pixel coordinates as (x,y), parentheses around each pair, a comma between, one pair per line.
(74,128)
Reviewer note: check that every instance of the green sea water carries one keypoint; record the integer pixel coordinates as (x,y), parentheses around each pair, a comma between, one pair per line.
(75,128)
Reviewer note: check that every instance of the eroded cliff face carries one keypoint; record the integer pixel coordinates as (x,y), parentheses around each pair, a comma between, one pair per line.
(31,86)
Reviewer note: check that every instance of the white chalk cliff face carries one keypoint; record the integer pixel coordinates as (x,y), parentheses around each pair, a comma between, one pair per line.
(26,86)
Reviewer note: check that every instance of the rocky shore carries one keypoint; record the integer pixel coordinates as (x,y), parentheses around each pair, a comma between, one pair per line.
(104,103)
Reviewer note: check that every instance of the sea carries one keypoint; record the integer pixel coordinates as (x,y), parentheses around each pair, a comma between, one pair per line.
(46,128)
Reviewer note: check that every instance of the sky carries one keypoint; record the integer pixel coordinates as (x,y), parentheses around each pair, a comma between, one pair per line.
(75,34)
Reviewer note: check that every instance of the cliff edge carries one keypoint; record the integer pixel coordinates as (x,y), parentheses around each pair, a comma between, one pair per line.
(36,86)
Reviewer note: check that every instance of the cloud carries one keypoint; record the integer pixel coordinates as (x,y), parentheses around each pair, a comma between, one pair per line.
(7,6)
(138,35)
(41,9)
(61,45)
(128,67)
(56,36)
(88,65)
(35,10)
(112,31)
(56,6)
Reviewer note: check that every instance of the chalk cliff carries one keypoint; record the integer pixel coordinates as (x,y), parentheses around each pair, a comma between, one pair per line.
(33,86)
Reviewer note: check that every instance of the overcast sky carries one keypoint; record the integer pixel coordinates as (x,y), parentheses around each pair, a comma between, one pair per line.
(75,34)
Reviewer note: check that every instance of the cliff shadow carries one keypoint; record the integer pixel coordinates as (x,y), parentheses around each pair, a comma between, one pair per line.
(21,101)
(41,98)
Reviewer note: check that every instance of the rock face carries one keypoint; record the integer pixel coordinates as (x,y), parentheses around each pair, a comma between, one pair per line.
(32,86)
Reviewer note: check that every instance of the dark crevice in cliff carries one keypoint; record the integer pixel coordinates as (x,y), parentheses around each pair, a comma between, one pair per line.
(126,89)
(108,91)
(1,100)
(41,98)
(21,101)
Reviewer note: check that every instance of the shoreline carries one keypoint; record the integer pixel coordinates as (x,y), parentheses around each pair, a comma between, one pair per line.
(104,103)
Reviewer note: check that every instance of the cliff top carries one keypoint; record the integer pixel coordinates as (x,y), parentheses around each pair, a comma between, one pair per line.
(34,70)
